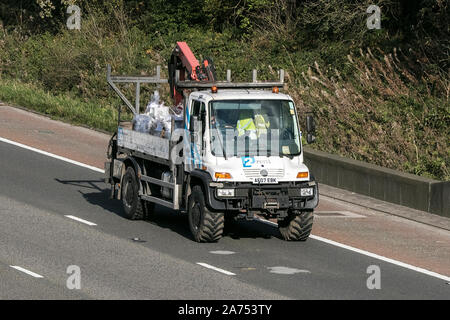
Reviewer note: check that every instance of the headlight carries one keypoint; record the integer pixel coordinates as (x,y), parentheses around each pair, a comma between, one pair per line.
(307,192)
(225,192)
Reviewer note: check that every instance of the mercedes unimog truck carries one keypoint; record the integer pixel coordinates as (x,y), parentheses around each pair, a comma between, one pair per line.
(235,152)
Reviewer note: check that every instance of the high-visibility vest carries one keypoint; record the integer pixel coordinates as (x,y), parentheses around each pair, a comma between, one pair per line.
(260,123)
(245,124)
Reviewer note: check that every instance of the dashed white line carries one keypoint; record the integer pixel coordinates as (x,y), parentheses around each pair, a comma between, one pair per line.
(81,220)
(45,153)
(222,252)
(35,275)
(216,269)
(286,270)
(372,255)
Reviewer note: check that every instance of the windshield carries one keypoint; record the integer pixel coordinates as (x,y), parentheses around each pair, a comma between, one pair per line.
(254,128)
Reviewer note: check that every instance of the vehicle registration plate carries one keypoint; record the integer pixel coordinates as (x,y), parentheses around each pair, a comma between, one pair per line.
(265,180)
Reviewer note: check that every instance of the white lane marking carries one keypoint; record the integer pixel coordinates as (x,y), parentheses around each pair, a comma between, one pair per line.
(216,269)
(45,153)
(27,271)
(224,252)
(334,243)
(337,214)
(372,255)
(81,220)
(286,270)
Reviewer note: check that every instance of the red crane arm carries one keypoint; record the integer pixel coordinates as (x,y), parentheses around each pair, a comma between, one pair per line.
(183,59)
(188,59)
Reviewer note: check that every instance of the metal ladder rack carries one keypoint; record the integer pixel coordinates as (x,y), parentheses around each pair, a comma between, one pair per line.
(112,80)
(228,84)
(185,84)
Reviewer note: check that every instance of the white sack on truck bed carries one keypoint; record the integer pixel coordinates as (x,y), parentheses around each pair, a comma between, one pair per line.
(157,118)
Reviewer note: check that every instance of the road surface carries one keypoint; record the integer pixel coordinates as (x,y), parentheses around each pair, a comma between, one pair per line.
(55,214)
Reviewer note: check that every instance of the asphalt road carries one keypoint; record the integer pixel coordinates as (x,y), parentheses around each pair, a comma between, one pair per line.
(38,192)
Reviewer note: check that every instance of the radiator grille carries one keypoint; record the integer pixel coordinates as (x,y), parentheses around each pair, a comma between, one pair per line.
(256,173)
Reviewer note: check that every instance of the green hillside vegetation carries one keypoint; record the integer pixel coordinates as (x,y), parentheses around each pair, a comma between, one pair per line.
(380,96)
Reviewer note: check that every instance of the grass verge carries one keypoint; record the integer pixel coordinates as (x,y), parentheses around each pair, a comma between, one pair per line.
(61,107)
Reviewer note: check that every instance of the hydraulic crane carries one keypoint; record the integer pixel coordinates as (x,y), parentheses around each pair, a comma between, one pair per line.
(183,59)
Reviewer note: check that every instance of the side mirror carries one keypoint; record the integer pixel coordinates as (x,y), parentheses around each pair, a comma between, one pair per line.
(203,121)
(310,138)
(310,129)
(310,124)
(193,122)
(203,116)
(192,127)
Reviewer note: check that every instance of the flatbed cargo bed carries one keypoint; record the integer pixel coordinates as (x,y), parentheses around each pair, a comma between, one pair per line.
(143,142)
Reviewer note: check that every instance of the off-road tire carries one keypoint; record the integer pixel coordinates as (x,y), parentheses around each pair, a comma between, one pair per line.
(296,227)
(206,226)
(134,207)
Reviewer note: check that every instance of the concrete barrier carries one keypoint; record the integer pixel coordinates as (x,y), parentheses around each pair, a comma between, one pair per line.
(381,183)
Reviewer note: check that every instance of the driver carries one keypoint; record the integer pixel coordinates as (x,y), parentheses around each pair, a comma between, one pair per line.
(245,122)
(261,124)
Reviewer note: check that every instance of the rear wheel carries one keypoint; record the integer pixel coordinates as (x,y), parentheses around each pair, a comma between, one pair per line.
(296,227)
(133,206)
(206,226)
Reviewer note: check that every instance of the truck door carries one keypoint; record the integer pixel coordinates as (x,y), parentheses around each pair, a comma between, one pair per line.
(196,128)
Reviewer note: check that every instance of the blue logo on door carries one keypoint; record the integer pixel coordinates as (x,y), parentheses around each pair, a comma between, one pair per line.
(247,161)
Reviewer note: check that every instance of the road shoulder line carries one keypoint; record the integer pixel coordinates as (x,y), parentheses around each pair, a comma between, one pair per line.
(45,153)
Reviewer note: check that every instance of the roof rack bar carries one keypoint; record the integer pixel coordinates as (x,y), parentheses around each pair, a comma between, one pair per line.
(138,97)
(281,72)
(131,79)
(188,84)
(118,79)
(158,71)
(228,85)
(228,75)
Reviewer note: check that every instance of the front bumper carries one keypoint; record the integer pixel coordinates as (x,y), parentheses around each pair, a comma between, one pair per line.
(263,198)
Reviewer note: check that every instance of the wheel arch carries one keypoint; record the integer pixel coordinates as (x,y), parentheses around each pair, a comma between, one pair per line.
(130,162)
(203,178)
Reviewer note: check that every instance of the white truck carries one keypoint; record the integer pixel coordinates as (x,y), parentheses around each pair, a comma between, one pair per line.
(237,154)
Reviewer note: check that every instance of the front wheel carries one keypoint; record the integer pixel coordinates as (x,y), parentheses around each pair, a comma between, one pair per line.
(296,227)
(206,226)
